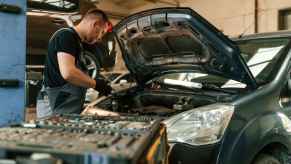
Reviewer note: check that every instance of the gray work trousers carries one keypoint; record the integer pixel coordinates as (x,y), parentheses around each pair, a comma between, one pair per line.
(67,99)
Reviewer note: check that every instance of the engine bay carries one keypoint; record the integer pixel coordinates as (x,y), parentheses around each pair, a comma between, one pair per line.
(158,101)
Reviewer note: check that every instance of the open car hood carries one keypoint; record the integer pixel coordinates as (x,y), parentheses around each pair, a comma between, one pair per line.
(164,40)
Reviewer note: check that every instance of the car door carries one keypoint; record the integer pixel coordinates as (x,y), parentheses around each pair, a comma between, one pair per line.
(40,28)
(43,19)
(285,95)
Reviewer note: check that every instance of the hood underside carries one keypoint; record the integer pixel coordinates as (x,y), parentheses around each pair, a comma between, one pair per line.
(166,40)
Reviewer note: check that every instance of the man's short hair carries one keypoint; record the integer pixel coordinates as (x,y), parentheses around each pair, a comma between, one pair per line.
(96,12)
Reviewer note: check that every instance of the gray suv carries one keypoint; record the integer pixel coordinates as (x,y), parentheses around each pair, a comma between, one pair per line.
(223,101)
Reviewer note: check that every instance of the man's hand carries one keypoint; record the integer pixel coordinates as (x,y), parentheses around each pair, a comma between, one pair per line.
(97,111)
(102,86)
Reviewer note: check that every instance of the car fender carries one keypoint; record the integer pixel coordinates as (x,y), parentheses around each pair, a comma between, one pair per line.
(253,137)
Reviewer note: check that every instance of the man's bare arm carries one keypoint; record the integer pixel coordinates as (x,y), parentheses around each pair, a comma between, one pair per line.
(89,110)
(71,73)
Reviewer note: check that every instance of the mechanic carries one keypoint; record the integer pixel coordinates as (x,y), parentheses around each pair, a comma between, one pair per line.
(65,75)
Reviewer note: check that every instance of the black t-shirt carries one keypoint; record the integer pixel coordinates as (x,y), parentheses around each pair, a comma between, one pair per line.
(64,40)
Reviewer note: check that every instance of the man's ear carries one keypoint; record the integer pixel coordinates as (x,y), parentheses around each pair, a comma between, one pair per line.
(97,23)
(93,23)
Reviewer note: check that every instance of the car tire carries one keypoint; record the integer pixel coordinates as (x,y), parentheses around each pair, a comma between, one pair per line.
(266,159)
(92,64)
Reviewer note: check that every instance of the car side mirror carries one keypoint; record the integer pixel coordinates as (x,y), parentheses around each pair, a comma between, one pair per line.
(123,82)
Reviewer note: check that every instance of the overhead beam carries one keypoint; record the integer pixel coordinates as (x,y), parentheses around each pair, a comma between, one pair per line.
(172,2)
(115,15)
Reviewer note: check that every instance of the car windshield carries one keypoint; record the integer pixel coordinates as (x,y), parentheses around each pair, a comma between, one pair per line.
(261,56)
(54,5)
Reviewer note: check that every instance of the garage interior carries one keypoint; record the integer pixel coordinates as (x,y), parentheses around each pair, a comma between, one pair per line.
(239,18)
(140,134)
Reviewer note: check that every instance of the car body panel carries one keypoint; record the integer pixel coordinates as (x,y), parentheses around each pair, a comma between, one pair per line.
(44,22)
(257,122)
(139,30)
(44,27)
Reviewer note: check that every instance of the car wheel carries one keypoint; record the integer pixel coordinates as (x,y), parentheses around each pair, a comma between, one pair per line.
(92,64)
(266,159)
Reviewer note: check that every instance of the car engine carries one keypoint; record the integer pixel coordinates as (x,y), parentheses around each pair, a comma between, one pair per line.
(158,101)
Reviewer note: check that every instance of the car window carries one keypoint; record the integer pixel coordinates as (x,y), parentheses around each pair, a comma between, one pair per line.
(54,5)
(285,93)
(261,56)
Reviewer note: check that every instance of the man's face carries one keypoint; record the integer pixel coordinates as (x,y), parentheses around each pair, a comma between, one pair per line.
(96,31)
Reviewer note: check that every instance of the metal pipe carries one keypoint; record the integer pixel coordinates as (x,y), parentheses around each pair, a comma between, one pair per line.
(178,3)
(256,16)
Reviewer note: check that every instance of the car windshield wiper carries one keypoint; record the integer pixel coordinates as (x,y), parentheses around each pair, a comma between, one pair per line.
(168,63)
(194,86)
(209,86)
(187,84)
(176,84)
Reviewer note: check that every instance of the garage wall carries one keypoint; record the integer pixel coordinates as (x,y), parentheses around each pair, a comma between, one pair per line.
(114,11)
(269,14)
(234,17)
(149,6)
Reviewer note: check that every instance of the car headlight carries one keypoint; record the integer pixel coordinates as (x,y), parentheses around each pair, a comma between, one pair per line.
(200,126)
